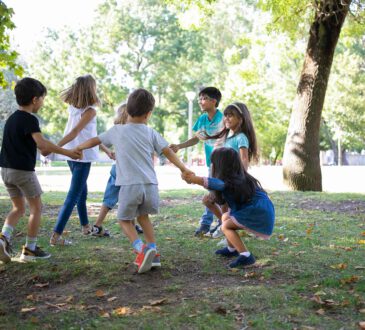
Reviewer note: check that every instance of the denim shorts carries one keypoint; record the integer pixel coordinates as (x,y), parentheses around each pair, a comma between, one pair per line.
(136,200)
(111,191)
(21,183)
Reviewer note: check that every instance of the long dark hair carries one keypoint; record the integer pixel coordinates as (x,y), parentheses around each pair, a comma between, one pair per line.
(227,166)
(240,110)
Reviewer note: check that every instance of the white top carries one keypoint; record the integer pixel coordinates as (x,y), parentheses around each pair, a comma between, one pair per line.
(88,132)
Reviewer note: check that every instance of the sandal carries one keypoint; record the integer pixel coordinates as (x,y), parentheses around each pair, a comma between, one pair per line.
(59,241)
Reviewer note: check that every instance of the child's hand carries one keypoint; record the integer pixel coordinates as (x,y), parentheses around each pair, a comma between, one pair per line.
(174,147)
(111,155)
(75,153)
(188,176)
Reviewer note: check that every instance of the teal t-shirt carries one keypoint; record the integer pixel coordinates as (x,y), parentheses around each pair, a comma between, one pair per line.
(211,127)
(237,142)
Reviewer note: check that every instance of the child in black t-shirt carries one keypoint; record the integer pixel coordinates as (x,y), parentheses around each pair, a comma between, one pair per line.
(22,136)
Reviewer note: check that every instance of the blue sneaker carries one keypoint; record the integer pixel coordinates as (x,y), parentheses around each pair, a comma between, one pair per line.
(242,261)
(226,253)
(156,261)
(203,229)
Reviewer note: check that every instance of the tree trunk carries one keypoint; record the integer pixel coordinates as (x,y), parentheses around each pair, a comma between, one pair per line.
(301,164)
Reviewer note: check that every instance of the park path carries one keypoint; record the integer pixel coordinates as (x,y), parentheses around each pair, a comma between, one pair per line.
(335,178)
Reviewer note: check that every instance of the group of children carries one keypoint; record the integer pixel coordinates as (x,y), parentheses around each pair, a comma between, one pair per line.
(235,197)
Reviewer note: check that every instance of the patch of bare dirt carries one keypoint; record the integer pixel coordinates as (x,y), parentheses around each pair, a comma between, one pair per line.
(351,207)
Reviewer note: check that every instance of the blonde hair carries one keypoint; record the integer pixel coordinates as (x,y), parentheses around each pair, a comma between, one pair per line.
(122,115)
(82,93)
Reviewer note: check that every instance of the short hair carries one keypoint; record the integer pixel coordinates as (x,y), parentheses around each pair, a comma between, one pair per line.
(213,93)
(140,102)
(28,88)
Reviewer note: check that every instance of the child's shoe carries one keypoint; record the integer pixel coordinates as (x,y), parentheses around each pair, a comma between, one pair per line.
(139,229)
(86,230)
(5,249)
(223,243)
(226,253)
(29,255)
(99,231)
(144,259)
(156,261)
(243,261)
(218,232)
(203,229)
(58,240)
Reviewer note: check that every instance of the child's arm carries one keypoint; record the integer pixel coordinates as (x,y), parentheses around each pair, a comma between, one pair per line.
(171,156)
(244,157)
(207,183)
(85,119)
(89,144)
(110,153)
(46,147)
(192,178)
(192,142)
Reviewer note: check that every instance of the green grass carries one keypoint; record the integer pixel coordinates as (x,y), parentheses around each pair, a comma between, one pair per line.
(309,274)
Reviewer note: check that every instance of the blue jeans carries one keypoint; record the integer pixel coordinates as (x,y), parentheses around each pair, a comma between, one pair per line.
(76,195)
(111,191)
(207,217)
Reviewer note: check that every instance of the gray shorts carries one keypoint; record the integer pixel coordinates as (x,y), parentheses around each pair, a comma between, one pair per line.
(136,200)
(21,183)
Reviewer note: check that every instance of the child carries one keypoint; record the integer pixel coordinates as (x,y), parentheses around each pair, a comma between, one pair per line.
(81,126)
(250,207)
(111,191)
(239,134)
(22,136)
(135,144)
(211,122)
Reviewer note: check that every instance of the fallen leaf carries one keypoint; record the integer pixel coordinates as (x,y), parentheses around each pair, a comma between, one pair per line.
(359,267)
(100,293)
(363,233)
(34,320)
(120,311)
(158,302)
(351,279)
(361,241)
(105,314)
(112,299)
(320,311)
(309,231)
(339,266)
(31,297)
(41,285)
(27,309)
(69,299)
(169,239)
(362,310)
(362,325)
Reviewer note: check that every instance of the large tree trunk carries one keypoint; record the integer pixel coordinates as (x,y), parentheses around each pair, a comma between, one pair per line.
(301,162)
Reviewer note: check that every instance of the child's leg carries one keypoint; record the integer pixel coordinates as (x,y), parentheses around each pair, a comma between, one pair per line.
(129,230)
(104,210)
(147,227)
(13,217)
(35,212)
(212,206)
(80,173)
(82,209)
(229,229)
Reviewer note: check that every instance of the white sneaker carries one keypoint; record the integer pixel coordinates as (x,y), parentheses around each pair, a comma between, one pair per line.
(217,233)
(223,243)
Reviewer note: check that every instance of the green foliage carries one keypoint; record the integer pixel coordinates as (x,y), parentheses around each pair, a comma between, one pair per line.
(7,56)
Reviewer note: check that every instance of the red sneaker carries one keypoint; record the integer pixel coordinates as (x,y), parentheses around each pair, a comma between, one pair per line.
(144,259)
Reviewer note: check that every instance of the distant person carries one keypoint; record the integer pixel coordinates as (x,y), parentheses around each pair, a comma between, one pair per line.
(238,134)
(134,144)
(211,122)
(82,99)
(249,206)
(111,191)
(21,138)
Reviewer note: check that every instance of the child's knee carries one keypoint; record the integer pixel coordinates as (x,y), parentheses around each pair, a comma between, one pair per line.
(19,210)
(225,216)
(207,200)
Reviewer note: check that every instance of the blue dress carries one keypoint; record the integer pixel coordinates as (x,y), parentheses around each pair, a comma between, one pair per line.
(256,215)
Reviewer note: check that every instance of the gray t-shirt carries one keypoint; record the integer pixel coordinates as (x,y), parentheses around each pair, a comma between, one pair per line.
(134,146)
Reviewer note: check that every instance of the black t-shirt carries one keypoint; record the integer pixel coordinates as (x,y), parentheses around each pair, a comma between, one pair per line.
(19,150)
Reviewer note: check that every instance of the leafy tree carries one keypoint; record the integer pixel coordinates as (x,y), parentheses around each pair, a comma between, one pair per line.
(7,56)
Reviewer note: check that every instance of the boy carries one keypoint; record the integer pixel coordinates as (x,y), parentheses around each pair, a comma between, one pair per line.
(211,122)
(22,136)
(134,144)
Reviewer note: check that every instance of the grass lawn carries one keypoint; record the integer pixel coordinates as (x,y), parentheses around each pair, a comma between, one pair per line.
(309,275)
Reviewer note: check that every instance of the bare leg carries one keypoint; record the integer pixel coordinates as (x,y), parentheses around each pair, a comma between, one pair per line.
(102,214)
(212,206)
(129,229)
(147,227)
(35,208)
(230,231)
(17,212)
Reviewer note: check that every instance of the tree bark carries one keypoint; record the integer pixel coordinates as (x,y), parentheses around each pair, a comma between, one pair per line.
(301,163)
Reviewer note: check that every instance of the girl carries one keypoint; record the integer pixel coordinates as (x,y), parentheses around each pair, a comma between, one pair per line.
(81,126)
(111,191)
(238,134)
(249,206)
